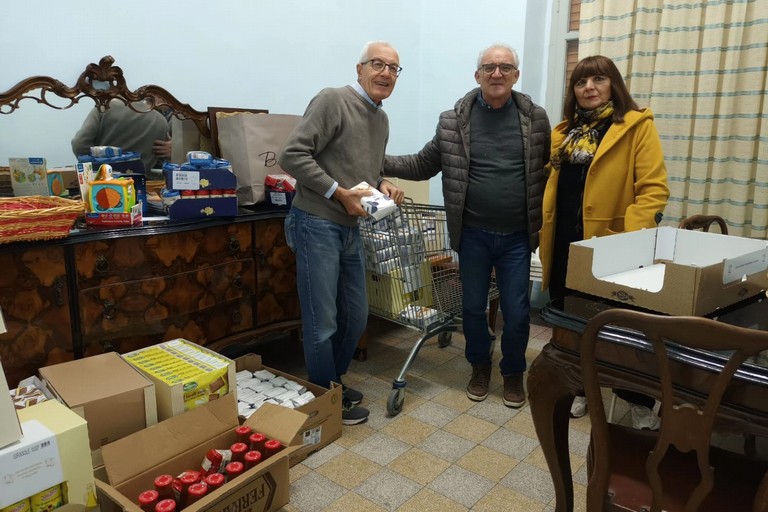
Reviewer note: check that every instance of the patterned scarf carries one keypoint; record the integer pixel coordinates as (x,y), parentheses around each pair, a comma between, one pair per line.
(580,145)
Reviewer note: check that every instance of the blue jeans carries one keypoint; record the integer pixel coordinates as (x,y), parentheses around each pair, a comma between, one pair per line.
(330,277)
(479,253)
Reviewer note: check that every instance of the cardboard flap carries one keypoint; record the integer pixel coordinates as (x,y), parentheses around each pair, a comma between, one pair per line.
(138,452)
(277,422)
(736,269)
(247,361)
(114,495)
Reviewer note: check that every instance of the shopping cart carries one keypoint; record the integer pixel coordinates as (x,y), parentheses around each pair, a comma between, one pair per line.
(412,278)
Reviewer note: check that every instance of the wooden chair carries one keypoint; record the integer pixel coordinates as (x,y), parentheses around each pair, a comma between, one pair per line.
(675,468)
(703,222)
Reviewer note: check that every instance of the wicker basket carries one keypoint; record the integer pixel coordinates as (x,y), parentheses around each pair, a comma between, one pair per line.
(29,218)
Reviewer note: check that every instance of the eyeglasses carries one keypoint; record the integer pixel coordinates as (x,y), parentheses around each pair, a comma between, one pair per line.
(379,65)
(505,69)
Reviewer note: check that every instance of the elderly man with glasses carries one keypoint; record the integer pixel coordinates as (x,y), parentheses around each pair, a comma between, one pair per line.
(491,148)
(338,144)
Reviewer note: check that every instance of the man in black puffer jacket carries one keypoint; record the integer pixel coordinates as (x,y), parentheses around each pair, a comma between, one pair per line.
(492,149)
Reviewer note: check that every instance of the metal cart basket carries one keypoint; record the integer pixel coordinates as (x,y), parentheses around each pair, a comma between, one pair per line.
(412,278)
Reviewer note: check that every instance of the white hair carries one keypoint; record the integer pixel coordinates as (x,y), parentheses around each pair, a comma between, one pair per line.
(499,46)
(367,47)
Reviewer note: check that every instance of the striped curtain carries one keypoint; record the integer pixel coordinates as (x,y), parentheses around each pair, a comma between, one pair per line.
(702,67)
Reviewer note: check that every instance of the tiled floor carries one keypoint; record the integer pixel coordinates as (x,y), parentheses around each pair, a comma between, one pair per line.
(443,452)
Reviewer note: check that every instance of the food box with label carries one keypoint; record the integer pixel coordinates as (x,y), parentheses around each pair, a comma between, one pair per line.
(182,442)
(669,270)
(185,375)
(323,425)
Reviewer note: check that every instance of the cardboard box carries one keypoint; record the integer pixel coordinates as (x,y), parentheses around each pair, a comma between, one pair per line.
(54,450)
(215,192)
(323,425)
(675,271)
(29,176)
(62,180)
(85,175)
(387,294)
(10,428)
(185,375)
(181,442)
(110,394)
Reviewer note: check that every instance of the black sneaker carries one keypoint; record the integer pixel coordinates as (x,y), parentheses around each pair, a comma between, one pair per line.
(352,414)
(352,395)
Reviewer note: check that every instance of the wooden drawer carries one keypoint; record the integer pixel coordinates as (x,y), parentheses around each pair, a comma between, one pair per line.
(35,303)
(201,305)
(136,258)
(277,298)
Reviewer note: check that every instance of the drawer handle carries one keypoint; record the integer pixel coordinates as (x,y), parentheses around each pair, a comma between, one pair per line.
(236,317)
(234,244)
(108,310)
(237,281)
(58,291)
(102,265)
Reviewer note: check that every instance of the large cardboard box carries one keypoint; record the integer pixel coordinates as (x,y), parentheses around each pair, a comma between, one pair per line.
(389,295)
(10,428)
(181,442)
(185,374)
(113,396)
(675,271)
(323,425)
(53,451)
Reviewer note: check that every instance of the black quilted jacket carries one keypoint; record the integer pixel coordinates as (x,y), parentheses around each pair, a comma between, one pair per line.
(448,152)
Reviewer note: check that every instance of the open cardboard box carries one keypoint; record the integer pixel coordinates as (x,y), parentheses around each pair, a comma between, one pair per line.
(181,442)
(110,394)
(674,271)
(10,428)
(323,425)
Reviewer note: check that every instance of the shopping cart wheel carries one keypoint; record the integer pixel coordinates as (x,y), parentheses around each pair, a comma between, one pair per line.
(443,339)
(395,401)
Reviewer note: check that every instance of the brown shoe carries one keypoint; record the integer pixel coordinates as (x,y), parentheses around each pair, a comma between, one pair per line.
(477,389)
(514,392)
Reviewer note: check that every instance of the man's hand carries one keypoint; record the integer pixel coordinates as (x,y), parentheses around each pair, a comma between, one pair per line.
(389,189)
(350,200)
(162,148)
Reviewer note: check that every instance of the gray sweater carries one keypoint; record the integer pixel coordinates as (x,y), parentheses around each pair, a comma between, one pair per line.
(341,138)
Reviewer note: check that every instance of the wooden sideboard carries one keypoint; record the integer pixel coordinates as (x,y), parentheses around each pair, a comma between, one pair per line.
(216,282)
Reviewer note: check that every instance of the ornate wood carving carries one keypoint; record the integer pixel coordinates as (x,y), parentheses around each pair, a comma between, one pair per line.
(277,299)
(39,89)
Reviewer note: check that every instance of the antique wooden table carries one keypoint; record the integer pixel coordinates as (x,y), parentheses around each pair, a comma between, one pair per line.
(626,362)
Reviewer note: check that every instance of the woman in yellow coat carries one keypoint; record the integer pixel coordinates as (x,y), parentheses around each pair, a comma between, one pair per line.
(607,175)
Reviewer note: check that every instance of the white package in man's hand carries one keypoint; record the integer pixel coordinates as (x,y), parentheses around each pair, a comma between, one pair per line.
(377,204)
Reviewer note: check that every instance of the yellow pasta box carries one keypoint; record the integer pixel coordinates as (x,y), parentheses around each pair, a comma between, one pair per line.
(186,375)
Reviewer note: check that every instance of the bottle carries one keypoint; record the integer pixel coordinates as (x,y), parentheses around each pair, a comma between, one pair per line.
(257,441)
(271,447)
(148,500)
(196,491)
(165,506)
(252,458)
(186,479)
(164,488)
(214,481)
(234,469)
(243,433)
(238,452)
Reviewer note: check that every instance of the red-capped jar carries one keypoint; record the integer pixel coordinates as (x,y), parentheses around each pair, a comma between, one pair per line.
(252,458)
(187,194)
(196,491)
(148,500)
(165,506)
(213,462)
(243,433)
(186,479)
(271,447)
(238,452)
(202,193)
(214,481)
(234,469)
(164,487)
(217,193)
(257,441)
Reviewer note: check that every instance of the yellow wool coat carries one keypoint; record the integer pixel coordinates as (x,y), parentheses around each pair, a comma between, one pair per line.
(625,188)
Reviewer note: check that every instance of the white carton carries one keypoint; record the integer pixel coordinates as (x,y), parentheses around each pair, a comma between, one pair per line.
(675,271)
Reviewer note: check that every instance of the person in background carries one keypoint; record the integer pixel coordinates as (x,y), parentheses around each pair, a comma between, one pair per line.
(339,143)
(607,175)
(144,130)
(492,149)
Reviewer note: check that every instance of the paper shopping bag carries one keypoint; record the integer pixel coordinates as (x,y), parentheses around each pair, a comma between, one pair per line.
(252,143)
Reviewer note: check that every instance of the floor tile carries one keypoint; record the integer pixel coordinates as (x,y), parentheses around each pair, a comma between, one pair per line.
(348,469)
(380,448)
(487,463)
(419,466)
(461,486)
(388,489)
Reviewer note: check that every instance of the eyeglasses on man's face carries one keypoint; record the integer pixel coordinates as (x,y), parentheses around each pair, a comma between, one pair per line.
(505,69)
(379,65)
